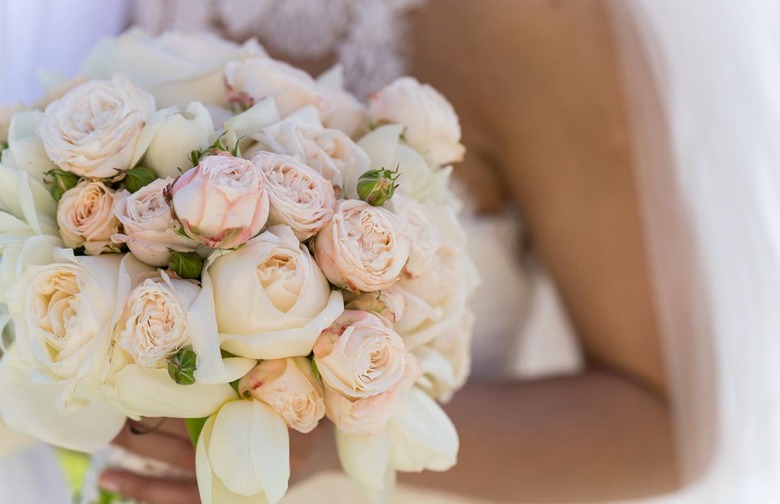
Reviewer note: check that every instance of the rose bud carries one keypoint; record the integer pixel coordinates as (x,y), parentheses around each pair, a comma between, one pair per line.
(375,187)
(222,202)
(359,355)
(86,218)
(290,388)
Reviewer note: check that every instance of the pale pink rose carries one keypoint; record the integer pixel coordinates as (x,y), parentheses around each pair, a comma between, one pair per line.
(431,124)
(255,79)
(423,232)
(222,202)
(290,388)
(390,304)
(370,415)
(149,228)
(299,196)
(359,355)
(86,218)
(93,129)
(363,248)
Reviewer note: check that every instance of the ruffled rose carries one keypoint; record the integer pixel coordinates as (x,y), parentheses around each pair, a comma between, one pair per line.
(93,130)
(299,196)
(292,89)
(423,232)
(370,415)
(390,304)
(329,151)
(359,355)
(430,123)
(363,248)
(222,202)
(176,68)
(290,388)
(270,298)
(446,360)
(86,218)
(149,228)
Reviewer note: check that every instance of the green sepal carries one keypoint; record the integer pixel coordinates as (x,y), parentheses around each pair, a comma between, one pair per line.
(60,182)
(182,366)
(375,187)
(138,178)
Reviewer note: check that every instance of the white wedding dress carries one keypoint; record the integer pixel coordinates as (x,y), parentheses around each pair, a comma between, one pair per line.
(712,201)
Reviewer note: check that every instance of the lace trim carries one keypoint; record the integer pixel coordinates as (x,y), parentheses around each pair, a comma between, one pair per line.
(368,36)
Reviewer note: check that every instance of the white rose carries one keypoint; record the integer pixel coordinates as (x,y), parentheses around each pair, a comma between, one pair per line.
(292,89)
(155,323)
(329,151)
(93,130)
(422,229)
(290,388)
(28,220)
(64,311)
(390,304)
(148,226)
(359,355)
(418,179)
(175,68)
(370,415)
(222,202)
(86,218)
(430,123)
(299,196)
(363,248)
(171,135)
(25,148)
(243,455)
(270,297)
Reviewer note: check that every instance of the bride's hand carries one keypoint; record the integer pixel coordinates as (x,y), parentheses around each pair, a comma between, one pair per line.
(170,443)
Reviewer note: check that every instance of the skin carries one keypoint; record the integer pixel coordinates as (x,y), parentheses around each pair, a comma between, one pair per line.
(544,121)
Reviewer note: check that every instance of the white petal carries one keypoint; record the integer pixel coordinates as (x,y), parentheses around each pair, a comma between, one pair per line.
(365,458)
(142,391)
(422,436)
(30,408)
(260,115)
(250,451)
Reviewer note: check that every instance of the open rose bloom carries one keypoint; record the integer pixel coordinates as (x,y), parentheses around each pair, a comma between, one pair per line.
(183,235)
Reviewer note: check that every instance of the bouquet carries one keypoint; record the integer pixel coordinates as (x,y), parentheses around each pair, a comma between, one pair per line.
(191,229)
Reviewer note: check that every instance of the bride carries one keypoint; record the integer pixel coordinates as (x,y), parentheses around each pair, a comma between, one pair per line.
(620,132)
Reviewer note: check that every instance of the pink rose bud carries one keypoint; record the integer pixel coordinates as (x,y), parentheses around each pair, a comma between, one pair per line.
(222,202)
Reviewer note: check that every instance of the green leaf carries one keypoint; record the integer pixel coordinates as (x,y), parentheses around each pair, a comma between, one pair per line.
(139,177)
(59,182)
(315,370)
(188,265)
(195,427)
(106,497)
(182,366)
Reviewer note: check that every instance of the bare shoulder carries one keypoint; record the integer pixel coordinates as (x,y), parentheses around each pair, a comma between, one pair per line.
(538,86)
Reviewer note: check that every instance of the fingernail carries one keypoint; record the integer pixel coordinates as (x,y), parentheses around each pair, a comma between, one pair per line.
(108,484)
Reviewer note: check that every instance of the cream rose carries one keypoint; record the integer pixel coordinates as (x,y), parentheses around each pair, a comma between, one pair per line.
(299,196)
(290,388)
(370,415)
(93,129)
(422,230)
(222,202)
(175,68)
(86,218)
(171,135)
(148,226)
(418,179)
(270,298)
(359,355)
(293,89)
(364,248)
(329,151)
(390,304)
(430,123)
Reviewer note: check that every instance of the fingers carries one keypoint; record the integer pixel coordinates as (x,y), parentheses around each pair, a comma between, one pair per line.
(157,445)
(151,490)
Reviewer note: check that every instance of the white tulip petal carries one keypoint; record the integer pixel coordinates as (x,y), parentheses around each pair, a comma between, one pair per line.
(422,436)
(365,458)
(142,391)
(30,408)
(250,451)
(262,114)
(381,145)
